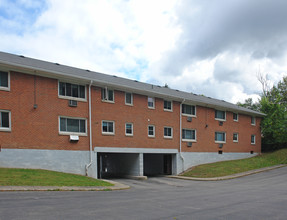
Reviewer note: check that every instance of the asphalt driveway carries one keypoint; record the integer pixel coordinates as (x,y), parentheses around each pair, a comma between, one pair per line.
(259,196)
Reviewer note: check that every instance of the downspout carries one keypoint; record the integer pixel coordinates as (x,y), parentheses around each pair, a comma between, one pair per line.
(180,133)
(90,128)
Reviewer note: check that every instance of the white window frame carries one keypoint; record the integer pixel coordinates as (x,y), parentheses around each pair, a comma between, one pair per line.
(171,132)
(253,135)
(9,115)
(189,115)
(237,135)
(171,105)
(253,122)
(153,101)
(189,140)
(108,133)
(220,119)
(104,99)
(127,134)
(71,97)
(237,116)
(132,99)
(72,133)
(220,142)
(153,131)
(6,88)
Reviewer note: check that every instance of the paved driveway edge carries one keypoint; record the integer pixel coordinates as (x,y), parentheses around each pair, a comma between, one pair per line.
(117,186)
(237,175)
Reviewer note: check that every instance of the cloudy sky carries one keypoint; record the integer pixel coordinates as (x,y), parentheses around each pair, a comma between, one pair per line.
(215,48)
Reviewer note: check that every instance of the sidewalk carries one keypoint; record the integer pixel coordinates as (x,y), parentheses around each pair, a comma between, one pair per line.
(230,176)
(117,186)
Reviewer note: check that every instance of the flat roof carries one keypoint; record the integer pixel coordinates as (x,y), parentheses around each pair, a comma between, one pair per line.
(58,71)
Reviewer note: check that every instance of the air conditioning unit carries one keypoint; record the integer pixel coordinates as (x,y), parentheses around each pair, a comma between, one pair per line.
(220,123)
(74,138)
(189,144)
(73,103)
(189,119)
(220,145)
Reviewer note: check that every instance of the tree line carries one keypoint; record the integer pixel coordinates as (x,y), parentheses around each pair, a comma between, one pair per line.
(273,103)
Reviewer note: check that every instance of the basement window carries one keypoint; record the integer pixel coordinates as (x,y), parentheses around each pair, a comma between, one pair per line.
(5,120)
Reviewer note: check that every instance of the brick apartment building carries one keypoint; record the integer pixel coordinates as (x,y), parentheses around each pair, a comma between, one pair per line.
(72,120)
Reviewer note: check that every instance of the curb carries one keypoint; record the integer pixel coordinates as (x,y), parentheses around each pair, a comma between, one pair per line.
(237,175)
(117,186)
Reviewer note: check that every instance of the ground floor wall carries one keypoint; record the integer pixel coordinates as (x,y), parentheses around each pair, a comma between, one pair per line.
(56,160)
(112,161)
(187,159)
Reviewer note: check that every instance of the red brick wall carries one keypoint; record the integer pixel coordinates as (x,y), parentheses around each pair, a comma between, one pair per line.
(39,128)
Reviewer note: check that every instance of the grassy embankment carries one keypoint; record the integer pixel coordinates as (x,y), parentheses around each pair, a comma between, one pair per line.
(32,177)
(237,166)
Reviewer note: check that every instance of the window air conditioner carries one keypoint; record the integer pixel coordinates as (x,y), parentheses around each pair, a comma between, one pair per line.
(220,146)
(189,119)
(73,103)
(74,138)
(189,144)
(220,123)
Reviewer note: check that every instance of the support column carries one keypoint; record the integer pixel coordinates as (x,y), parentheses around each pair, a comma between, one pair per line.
(141,165)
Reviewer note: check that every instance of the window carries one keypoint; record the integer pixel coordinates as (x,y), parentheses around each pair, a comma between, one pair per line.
(107,95)
(5,122)
(235,117)
(129,98)
(150,102)
(72,125)
(72,90)
(253,120)
(108,127)
(167,132)
(4,80)
(252,139)
(129,129)
(188,109)
(219,115)
(167,105)
(235,137)
(189,135)
(220,137)
(151,131)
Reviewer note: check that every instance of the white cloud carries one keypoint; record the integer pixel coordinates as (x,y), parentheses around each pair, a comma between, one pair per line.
(197,46)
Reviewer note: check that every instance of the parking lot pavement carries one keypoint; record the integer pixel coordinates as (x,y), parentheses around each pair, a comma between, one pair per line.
(259,196)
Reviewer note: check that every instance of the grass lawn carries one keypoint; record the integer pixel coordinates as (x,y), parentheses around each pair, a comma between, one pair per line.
(237,166)
(31,177)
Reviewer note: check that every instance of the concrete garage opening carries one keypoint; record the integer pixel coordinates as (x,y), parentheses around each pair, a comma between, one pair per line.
(117,164)
(157,164)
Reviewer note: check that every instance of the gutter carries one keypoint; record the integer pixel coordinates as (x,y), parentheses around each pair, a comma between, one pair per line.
(90,128)
(180,134)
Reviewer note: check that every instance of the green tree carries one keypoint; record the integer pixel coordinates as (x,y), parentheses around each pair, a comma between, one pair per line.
(273,103)
(248,103)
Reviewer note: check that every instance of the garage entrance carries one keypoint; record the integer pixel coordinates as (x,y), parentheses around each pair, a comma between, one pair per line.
(112,165)
(157,164)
